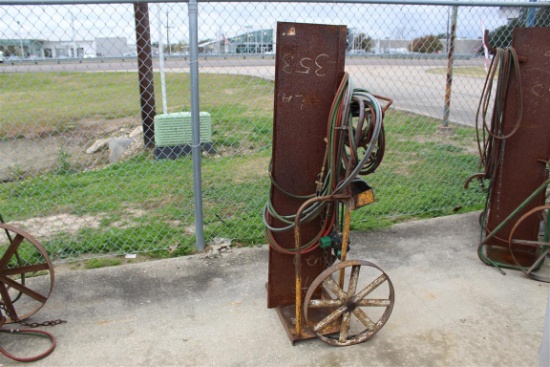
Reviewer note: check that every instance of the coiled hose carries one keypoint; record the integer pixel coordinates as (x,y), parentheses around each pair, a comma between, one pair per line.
(506,62)
(491,138)
(355,145)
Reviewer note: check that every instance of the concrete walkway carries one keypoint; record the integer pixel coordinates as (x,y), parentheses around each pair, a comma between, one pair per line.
(450,309)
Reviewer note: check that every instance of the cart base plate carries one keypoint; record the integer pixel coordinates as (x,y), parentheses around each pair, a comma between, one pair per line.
(287,314)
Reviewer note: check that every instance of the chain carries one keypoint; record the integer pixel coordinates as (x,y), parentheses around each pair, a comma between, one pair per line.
(31,325)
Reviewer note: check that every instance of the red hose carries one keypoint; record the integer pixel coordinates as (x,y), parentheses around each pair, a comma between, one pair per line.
(29,331)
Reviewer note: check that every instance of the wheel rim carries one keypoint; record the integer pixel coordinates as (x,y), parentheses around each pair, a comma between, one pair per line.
(26,274)
(543,244)
(361,313)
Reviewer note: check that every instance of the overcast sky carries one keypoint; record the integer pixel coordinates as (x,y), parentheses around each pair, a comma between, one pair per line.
(87,22)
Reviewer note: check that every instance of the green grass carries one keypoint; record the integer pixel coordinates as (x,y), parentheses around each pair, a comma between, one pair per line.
(147,206)
(102,262)
(54,102)
(161,189)
(422,174)
(470,71)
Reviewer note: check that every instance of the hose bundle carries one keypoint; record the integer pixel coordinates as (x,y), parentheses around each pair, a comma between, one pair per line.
(355,146)
(506,62)
(492,139)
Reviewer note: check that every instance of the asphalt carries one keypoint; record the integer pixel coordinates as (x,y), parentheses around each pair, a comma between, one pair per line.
(450,309)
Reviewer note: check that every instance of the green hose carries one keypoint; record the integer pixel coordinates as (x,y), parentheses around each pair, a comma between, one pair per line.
(354,126)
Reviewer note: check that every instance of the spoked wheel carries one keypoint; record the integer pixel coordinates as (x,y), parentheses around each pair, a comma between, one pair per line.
(26,274)
(361,302)
(541,247)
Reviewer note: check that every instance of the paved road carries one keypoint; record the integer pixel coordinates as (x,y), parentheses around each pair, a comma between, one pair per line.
(411,83)
(412,87)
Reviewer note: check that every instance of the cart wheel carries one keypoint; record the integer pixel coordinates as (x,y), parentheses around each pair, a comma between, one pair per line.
(26,274)
(542,245)
(371,305)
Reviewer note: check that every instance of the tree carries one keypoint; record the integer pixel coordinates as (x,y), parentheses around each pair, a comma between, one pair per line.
(362,42)
(180,46)
(426,44)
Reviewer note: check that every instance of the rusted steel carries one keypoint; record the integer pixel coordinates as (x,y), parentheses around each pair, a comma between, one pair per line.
(522,166)
(20,297)
(287,317)
(343,306)
(145,72)
(345,239)
(514,243)
(309,66)
(298,254)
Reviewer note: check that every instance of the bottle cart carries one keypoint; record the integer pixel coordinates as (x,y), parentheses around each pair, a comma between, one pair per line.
(315,289)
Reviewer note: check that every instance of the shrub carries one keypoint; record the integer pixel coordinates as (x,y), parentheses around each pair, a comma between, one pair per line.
(426,44)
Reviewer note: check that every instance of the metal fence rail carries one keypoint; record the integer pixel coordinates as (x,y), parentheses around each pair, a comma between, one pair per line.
(81,169)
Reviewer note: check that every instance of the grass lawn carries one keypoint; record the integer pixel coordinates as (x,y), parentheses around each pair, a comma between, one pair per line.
(144,205)
(472,71)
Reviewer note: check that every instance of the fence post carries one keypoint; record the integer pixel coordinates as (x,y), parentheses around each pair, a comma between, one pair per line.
(145,71)
(195,121)
(448,86)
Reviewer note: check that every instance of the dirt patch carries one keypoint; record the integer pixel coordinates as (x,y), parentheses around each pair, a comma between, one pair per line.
(47,227)
(32,154)
(253,168)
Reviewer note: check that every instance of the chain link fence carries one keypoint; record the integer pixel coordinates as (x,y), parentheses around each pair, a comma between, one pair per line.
(78,173)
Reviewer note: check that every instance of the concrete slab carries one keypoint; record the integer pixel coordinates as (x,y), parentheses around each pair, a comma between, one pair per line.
(450,310)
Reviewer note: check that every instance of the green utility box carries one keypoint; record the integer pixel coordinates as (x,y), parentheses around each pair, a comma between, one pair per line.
(173,134)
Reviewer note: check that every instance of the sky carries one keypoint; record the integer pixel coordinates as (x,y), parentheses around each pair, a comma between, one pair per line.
(169,21)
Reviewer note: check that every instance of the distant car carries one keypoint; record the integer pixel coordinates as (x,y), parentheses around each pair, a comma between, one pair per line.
(88,56)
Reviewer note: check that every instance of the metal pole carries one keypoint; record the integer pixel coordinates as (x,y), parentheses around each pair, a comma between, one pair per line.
(75,49)
(21,39)
(168,34)
(530,22)
(161,65)
(195,121)
(145,71)
(448,87)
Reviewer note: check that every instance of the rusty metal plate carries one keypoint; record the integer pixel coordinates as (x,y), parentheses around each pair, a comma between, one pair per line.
(287,315)
(523,165)
(309,66)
